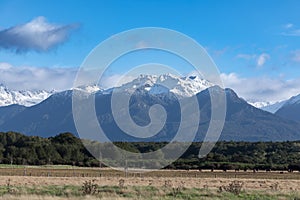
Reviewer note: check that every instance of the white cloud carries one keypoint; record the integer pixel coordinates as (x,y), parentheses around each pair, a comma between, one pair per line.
(289,25)
(35,78)
(37,35)
(259,59)
(262,88)
(4,66)
(54,78)
(290,30)
(262,58)
(292,33)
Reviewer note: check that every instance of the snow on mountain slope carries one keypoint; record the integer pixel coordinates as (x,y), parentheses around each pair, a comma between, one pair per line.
(260,104)
(154,84)
(89,88)
(293,100)
(182,86)
(157,84)
(271,107)
(26,98)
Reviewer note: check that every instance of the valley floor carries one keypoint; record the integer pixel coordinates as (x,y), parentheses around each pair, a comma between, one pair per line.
(165,184)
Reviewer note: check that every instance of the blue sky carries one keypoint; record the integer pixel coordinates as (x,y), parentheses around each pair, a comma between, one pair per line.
(254,43)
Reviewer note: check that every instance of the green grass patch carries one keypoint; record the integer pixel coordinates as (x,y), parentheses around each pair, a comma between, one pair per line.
(143,192)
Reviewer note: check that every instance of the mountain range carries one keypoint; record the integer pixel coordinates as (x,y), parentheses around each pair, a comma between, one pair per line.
(243,121)
(23,97)
(185,86)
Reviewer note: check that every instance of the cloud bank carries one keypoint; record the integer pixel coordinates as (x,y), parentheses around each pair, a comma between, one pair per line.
(37,35)
(262,88)
(36,78)
(54,78)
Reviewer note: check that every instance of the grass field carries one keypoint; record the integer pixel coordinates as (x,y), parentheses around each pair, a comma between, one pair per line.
(66,182)
(70,171)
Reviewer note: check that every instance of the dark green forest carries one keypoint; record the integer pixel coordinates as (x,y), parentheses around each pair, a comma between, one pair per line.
(66,149)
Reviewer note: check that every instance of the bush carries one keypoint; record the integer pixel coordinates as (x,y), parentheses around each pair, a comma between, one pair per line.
(90,188)
(121,183)
(234,187)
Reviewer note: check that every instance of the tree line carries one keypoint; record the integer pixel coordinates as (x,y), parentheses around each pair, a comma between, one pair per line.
(66,149)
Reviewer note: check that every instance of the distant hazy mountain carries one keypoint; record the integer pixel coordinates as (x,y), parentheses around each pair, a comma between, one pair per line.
(290,109)
(243,121)
(26,98)
(271,107)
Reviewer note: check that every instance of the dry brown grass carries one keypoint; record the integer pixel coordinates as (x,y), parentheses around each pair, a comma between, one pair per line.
(35,197)
(210,182)
(68,171)
(207,183)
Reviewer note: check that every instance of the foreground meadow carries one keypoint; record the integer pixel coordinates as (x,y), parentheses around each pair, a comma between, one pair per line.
(85,183)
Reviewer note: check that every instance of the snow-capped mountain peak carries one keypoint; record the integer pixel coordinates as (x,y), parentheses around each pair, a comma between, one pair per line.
(23,97)
(260,104)
(89,88)
(273,107)
(157,84)
(269,106)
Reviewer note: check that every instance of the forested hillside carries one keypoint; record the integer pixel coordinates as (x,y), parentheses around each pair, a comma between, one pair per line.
(66,149)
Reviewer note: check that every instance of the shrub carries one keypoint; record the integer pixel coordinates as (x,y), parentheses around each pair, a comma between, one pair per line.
(234,187)
(121,183)
(90,188)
